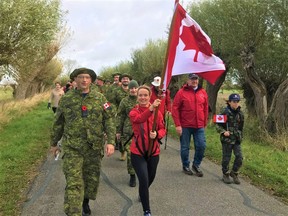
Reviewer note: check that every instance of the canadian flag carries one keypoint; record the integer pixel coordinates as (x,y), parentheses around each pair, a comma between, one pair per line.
(106,105)
(219,118)
(189,50)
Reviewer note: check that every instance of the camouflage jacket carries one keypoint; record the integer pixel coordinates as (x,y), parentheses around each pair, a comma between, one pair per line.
(109,91)
(234,124)
(118,94)
(123,124)
(82,120)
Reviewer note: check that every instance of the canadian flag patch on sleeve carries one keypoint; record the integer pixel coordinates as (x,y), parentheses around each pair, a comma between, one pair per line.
(219,118)
(107,106)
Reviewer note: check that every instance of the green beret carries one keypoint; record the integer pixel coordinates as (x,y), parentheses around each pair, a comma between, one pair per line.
(78,71)
(132,84)
(125,75)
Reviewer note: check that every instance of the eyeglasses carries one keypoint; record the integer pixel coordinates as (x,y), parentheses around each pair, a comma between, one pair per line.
(83,77)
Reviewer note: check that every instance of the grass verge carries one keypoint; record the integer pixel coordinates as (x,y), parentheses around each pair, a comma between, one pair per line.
(23,146)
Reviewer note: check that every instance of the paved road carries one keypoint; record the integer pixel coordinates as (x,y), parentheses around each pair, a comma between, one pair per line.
(172,193)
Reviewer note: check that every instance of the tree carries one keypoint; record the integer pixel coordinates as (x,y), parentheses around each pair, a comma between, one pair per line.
(68,66)
(28,30)
(148,62)
(44,78)
(242,31)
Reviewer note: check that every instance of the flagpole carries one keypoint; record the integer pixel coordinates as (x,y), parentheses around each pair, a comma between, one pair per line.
(151,141)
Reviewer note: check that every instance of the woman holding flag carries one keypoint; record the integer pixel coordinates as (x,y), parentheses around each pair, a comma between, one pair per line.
(145,148)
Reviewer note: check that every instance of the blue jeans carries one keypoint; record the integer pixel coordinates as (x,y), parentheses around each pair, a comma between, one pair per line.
(199,145)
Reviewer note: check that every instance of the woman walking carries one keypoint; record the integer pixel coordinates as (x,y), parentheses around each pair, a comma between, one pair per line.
(145,162)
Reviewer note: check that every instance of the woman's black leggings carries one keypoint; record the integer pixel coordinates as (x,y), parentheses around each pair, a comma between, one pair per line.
(146,171)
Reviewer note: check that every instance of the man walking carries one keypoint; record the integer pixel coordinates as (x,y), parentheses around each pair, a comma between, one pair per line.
(82,118)
(118,94)
(124,128)
(190,115)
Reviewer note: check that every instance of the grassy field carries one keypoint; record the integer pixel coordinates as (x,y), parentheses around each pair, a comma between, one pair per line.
(23,127)
(5,93)
(23,147)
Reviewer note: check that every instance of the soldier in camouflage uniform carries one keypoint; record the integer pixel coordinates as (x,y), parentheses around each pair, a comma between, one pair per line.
(231,138)
(121,91)
(81,118)
(116,83)
(100,85)
(118,94)
(124,127)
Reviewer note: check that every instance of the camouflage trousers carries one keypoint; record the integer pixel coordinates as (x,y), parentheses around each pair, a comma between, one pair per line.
(226,156)
(126,148)
(82,171)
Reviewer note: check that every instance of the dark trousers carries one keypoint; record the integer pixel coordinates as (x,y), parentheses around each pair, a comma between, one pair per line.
(226,157)
(146,171)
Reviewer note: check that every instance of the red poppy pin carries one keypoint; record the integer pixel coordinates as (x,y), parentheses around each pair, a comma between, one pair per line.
(84,111)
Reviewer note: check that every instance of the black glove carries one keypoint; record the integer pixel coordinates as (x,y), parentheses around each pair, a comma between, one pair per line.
(49,106)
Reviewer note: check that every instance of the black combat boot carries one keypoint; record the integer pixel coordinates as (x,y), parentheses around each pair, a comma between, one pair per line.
(86,209)
(132,182)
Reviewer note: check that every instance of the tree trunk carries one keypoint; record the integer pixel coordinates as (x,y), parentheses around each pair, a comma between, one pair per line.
(212,91)
(257,85)
(20,91)
(277,121)
(32,89)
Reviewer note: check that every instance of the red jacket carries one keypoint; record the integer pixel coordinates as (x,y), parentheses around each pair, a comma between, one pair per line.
(142,120)
(190,108)
(165,102)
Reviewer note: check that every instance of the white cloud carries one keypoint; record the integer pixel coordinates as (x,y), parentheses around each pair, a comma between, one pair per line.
(106,31)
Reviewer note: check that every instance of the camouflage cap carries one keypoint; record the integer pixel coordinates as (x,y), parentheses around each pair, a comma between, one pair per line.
(100,78)
(116,74)
(125,75)
(78,71)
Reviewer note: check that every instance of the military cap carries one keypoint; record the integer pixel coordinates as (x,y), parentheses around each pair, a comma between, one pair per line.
(107,81)
(100,78)
(116,74)
(132,84)
(125,75)
(193,76)
(234,97)
(78,71)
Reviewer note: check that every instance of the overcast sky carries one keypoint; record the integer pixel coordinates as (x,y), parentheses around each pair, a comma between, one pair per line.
(105,32)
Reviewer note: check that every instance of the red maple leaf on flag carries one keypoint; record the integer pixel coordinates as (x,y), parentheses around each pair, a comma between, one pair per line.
(219,118)
(186,35)
(194,39)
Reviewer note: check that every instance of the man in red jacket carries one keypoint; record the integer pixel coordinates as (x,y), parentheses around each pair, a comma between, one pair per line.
(190,115)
